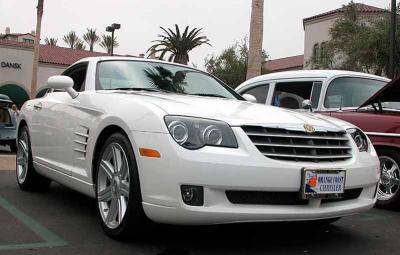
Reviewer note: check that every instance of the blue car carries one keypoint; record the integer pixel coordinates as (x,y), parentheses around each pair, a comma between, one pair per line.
(8,123)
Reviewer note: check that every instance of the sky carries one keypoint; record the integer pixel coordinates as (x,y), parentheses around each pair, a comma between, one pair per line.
(223,21)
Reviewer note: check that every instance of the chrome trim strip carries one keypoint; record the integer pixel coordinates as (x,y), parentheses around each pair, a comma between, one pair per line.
(343,138)
(383,134)
(81,143)
(80,134)
(79,150)
(307,156)
(303,146)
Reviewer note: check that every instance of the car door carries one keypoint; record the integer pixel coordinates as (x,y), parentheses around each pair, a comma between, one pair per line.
(51,129)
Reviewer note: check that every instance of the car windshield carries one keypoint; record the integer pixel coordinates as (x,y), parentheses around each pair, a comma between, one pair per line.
(350,91)
(153,76)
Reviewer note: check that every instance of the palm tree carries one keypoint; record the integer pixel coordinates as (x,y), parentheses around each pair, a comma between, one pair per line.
(71,39)
(106,43)
(79,45)
(179,45)
(51,41)
(256,38)
(35,64)
(91,38)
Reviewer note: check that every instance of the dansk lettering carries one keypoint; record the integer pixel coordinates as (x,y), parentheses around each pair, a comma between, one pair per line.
(11,65)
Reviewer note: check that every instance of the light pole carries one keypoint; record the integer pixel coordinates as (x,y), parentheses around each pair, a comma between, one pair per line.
(392,51)
(111,29)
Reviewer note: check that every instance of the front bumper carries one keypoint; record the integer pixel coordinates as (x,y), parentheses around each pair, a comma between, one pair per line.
(218,170)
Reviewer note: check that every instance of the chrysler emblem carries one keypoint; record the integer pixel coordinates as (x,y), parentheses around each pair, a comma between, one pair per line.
(308,128)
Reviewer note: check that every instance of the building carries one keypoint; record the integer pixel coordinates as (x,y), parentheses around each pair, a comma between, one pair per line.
(316,33)
(16,59)
(26,38)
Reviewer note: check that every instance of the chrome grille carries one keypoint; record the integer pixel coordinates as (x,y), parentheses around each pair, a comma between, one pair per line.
(297,145)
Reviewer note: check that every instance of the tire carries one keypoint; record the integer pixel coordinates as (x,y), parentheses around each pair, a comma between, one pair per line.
(388,192)
(119,190)
(13,147)
(27,177)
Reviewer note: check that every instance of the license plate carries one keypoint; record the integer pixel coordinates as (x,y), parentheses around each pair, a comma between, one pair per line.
(324,184)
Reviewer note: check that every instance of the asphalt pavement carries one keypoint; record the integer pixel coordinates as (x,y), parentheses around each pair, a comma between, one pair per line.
(64,222)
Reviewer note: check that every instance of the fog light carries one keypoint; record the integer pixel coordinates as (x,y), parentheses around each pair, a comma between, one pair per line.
(192,195)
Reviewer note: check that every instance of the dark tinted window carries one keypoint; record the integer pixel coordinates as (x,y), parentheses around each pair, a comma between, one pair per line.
(316,94)
(350,92)
(78,75)
(260,93)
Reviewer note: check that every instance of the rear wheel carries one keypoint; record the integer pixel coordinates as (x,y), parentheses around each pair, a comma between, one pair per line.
(389,183)
(118,189)
(27,177)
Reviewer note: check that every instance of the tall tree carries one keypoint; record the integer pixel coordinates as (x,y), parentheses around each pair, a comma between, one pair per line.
(39,15)
(177,44)
(106,42)
(256,38)
(51,41)
(91,38)
(357,43)
(71,39)
(231,65)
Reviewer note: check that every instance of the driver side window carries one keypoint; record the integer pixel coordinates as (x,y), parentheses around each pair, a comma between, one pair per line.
(78,75)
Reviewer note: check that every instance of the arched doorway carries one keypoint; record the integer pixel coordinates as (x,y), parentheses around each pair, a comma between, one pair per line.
(17,94)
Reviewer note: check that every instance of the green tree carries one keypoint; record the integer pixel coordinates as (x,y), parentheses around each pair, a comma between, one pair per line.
(177,44)
(231,65)
(80,45)
(106,43)
(91,38)
(50,41)
(71,39)
(357,43)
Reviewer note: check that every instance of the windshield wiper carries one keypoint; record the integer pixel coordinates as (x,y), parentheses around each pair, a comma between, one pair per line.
(142,89)
(208,95)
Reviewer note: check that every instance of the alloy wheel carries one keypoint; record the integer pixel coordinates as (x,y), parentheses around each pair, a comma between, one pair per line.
(113,182)
(389,182)
(22,157)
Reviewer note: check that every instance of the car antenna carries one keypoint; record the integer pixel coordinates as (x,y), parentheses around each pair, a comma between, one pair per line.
(341,103)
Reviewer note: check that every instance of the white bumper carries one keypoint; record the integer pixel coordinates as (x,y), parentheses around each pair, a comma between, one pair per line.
(243,169)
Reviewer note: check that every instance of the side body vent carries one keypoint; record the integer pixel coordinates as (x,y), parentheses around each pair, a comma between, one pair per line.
(81,137)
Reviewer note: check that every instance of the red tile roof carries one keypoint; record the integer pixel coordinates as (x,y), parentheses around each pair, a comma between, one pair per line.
(64,56)
(359,7)
(285,63)
(53,54)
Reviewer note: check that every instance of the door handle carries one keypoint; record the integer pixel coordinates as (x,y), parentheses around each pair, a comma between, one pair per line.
(38,106)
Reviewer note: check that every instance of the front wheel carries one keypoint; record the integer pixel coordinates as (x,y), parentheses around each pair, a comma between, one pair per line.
(118,190)
(27,177)
(389,184)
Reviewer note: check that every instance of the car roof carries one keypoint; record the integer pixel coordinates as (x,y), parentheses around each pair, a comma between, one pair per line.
(312,74)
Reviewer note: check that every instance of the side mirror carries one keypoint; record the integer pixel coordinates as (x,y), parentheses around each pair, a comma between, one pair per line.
(306,104)
(61,82)
(250,98)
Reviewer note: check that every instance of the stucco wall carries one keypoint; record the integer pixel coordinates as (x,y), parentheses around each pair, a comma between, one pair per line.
(21,76)
(45,71)
(316,32)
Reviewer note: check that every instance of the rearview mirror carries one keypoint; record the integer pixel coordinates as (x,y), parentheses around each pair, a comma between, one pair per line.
(61,82)
(306,104)
(250,98)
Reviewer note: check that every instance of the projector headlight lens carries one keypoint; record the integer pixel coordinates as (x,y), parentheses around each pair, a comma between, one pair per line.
(195,133)
(359,138)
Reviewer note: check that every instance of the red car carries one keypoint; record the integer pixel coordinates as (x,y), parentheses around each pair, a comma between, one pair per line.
(379,118)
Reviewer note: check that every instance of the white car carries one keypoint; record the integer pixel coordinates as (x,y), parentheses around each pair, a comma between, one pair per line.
(151,139)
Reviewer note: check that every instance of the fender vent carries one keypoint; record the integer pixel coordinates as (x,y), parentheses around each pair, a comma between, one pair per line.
(80,140)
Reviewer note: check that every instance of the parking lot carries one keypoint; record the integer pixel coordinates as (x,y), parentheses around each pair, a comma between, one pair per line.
(64,222)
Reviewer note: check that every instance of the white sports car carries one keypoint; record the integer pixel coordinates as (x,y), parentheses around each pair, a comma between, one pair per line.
(155,140)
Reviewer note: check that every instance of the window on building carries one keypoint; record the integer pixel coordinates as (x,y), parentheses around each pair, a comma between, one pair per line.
(259,92)
(28,41)
(292,94)
(316,50)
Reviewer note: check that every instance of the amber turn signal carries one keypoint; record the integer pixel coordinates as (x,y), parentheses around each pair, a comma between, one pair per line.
(149,153)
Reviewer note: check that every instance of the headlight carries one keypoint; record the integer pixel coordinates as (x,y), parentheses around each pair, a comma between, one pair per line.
(195,133)
(359,138)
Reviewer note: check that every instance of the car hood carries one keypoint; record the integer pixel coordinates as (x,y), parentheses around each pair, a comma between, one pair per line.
(234,112)
(389,93)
